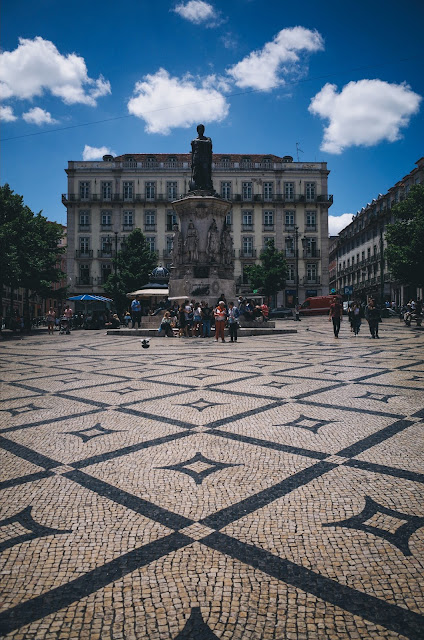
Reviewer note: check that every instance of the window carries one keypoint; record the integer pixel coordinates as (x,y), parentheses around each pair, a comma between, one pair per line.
(84,271)
(310,190)
(266,163)
(150,190)
(248,246)
(128,190)
(84,219)
(151,161)
(171,190)
(289,190)
(268,218)
(106,270)
(226,190)
(229,219)
(84,245)
(268,190)
(128,218)
(247,190)
(375,249)
(150,220)
(289,218)
(265,241)
(151,243)
(290,272)
(106,245)
(247,219)
(246,162)
(363,255)
(84,190)
(289,244)
(369,252)
(171,219)
(225,162)
(172,161)
(106,218)
(107,190)
(311,249)
(311,218)
(311,271)
(169,243)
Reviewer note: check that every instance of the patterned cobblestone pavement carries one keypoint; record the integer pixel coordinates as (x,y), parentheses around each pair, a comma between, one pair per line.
(271,488)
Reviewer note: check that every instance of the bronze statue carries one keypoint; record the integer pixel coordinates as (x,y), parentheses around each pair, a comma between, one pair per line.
(177,245)
(201,162)
(226,246)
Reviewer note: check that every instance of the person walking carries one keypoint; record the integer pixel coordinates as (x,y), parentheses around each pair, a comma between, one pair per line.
(233,316)
(136,312)
(335,315)
(373,316)
(356,318)
(206,313)
(51,316)
(220,314)
(297,312)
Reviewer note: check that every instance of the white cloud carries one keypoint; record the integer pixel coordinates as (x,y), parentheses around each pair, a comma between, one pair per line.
(197,11)
(263,69)
(337,223)
(96,153)
(364,113)
(36,66)
(38,116)
(165,102)
(7,115)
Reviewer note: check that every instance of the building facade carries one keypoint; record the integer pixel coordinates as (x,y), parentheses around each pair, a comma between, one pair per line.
(357,265)
(272,198)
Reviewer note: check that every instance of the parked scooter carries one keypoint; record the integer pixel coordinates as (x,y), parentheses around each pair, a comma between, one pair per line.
(412,316)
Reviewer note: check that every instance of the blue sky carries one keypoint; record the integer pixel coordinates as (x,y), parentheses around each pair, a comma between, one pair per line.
(344,80)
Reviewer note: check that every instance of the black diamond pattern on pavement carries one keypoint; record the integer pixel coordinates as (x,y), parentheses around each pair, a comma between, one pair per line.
(199,467)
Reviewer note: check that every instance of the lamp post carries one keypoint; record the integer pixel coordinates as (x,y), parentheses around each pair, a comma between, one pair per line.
(116,252)
(381,267)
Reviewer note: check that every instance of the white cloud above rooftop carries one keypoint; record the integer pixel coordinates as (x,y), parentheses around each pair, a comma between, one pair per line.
(38,116)
(364,113)
(165,102)
(197,12)
(96,153)
(36,66)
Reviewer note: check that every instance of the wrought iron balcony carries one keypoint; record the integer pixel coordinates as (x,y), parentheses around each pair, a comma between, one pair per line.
(84,254)
(104,253)
(247,227)
(310,254)
(84,282)
(311,280)
(247,254)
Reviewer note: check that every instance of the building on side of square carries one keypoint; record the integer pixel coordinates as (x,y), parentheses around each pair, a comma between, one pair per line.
(356,256)
(272,198)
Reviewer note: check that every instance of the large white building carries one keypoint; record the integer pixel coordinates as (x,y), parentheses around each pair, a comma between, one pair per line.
(272,198)
(358,268)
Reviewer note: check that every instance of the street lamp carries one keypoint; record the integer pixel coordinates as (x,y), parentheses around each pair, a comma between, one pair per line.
(296,255)
(381,267)
(116,252)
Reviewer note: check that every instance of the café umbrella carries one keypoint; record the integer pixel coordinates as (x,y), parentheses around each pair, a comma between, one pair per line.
(89,297)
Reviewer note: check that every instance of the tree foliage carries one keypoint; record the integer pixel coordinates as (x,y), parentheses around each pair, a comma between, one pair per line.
(270,275)
(405,239)
(29,248)
(133,264)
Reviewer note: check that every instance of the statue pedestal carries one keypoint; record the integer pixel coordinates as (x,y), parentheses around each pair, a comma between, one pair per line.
(203,264)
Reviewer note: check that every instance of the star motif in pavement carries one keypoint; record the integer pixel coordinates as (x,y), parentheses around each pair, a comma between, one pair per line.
(380,397)
(201,404)
(93,432)
(24,409)
(125,390)
(394,526)
(201,376)
(303,422)
(30,529)
(199,467)
(275,384)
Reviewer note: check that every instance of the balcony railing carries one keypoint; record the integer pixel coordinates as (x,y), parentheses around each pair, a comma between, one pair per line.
(167,253)
(150,227)
(311,280)
(247,253)
(83,282)
(247,227)
(104,253)
(310,227)
(127,227)
(84,227)
(84,254)
(289,253)
(106,227)
(268,227)
(311,253)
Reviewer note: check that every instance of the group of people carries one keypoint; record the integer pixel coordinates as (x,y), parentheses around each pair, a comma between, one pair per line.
(195,319)
(372,315)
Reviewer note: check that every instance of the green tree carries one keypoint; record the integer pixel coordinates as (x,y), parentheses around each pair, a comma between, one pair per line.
(133,264)
(405,239)
(29,248)
(270,275)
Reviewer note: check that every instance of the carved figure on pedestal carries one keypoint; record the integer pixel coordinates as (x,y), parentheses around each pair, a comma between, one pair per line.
(201,162)
(177,246)
(226,246)
(192,243)
(213,242)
